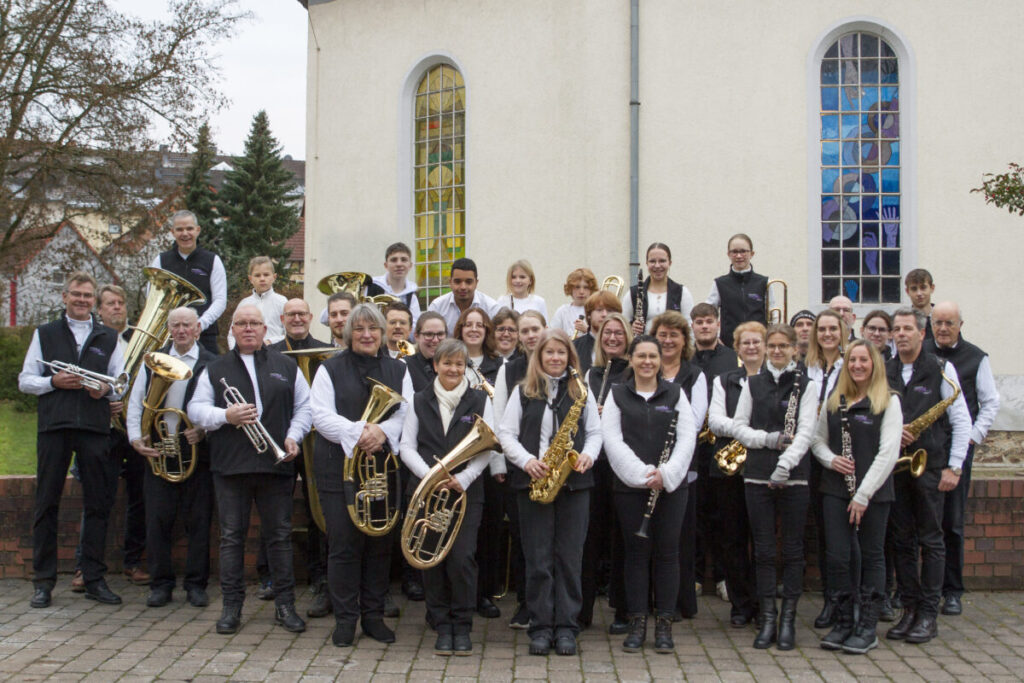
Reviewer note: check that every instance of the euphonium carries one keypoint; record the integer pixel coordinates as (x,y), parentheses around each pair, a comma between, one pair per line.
(560,456)
(366,488)
(918,460)
(435,513)
(165,370)
(730,458)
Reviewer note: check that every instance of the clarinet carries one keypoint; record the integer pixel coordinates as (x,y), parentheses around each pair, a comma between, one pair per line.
(601,396)
(652,499)
(844,420)
(638,306)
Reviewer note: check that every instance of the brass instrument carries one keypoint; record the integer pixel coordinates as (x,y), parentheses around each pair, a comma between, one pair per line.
(90,380)
(706,435)
(364,484)
(435,512)
(560,456)
(482,382)
(652,499)
(917,461)
(354,283)
(167,291)
(257,434)
(576,333)
(405,348)
(731,457)
(778,314)
(165,370)
(308,360)
(614,284)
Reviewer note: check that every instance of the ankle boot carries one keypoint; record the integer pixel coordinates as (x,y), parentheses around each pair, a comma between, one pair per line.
(844,624)
(787,624)
(903,626)
(663,644)
(637,634)
(230,619)
(769,616)
(829,611)
(864,637)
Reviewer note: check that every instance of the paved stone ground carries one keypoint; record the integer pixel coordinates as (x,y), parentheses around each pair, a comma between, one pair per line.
(79,640)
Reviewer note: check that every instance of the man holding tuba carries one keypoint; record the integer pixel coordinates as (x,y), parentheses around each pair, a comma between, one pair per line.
(352,437)
(192,494)
(266,399)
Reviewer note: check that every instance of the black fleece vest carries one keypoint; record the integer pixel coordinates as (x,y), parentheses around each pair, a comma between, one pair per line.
(289,344)
(230,451)
(197,269)
(732,382)
(489,367)
(865,436)
(529,436)
(74,408)
(618,369)
(421,371)
(645,422)
(770,401)
(715,362)
(966,358)
(585,350)
(515,371)
(432,440)
(743,297)
(923,392)
(673,300)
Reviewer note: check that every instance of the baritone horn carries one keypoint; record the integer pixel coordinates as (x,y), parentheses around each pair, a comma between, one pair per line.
(778,314)
(436,512)
(373,495)
(165,370)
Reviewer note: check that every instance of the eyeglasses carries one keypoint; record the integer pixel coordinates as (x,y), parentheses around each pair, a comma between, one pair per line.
(297,314)
(942,323)
(432,335)
(613,333)
(247,324)
(505,330)
(877,330)
(778,347)
(739,252)
(751,342)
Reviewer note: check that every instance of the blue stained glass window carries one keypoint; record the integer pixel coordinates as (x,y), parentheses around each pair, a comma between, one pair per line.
(860,170)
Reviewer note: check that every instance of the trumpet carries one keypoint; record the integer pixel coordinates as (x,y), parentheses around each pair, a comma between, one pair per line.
(90,380)
(257,434)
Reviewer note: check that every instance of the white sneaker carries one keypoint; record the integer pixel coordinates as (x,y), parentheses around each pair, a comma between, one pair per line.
(698,588)
(723,592)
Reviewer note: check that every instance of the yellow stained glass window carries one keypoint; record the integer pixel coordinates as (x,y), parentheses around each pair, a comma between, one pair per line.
(439,202)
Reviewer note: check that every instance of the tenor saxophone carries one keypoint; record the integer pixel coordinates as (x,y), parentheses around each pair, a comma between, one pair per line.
(560,456)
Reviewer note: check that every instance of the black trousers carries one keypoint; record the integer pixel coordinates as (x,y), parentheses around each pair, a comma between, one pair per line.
(316,551)
(733,533)
(814,482)
(708,536)
(839,537)
(517,560)
(450,587)
(273,497)
(787,504)
(603,546)
(917,528)
(686,598)
(357,565)
(953,530)
(658,554)
(192,501)
(553,537)
(489,551)
(98,472)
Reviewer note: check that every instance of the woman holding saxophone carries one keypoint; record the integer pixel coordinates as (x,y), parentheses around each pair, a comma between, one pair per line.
(649,433)
(857,441)
(357,564)
(548,414)
(441,415)
(774,419)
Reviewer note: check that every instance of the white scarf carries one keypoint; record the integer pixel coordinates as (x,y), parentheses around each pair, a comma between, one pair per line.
(448,401)
(776,373)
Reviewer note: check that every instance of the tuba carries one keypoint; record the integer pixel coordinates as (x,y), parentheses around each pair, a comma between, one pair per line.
(354,283)
(560,456)
(435,514)
(308,360)
(917,461)
(167,291)
(373,496)
(165,370)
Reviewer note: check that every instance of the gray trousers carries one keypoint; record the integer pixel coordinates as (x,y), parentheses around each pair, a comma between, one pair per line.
(553,537)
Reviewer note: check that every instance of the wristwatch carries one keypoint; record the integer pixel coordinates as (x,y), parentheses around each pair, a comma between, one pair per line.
(956,470)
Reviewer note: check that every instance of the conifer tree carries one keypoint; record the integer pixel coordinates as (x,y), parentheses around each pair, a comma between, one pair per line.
(198,194)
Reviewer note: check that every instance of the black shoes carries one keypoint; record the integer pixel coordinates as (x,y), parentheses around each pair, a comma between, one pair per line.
(376,629)
(321,605)
(924,629)
(40,598)
(230,619)
(445,643)
(487,609)
(769,618)
(844,625)
(100,592)
(951,606)
(620,626)
(286,616)
(197,597)
(521,619)
(343,635)
(462,646)
(829,611)
(565,645)
(787,624)
(391,610)
(413,590)
(741,618)
(634,641)
(864,637)
(663,644)
(266,590)
(158,597)
(540,645)
(886,612)
(903,626)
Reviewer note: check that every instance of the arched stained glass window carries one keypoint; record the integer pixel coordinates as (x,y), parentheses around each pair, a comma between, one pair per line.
(439,156)
(860,170)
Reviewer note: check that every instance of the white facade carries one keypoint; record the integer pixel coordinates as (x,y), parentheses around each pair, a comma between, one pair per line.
(728,139)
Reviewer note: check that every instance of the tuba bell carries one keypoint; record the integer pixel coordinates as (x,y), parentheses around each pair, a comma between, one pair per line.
(356,284)
(165,370)
(373,495)
(435,513)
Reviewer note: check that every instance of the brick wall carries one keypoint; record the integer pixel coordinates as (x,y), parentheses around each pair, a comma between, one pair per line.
(994,553)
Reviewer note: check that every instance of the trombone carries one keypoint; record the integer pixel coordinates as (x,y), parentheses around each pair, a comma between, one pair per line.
(90,380)
(614,284)
(777,314)
(257,434)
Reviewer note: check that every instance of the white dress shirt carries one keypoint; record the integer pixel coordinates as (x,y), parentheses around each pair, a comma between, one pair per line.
(508,430)
(959,416)
(271,305)
(820,376)
(449,310)
(175,397)
(719,421)
(656,305)
(218,290)
(31,379)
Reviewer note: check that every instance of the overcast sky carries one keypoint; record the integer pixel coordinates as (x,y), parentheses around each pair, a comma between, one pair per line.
(263,67)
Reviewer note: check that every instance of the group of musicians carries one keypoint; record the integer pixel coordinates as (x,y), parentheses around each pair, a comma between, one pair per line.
(639,440)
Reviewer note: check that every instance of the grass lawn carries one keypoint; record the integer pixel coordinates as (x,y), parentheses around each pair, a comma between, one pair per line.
(17,440)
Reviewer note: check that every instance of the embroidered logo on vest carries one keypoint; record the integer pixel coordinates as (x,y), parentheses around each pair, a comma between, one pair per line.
(98,352)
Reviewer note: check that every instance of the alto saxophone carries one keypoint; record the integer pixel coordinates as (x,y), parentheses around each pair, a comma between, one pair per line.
(918,460)
(560,456)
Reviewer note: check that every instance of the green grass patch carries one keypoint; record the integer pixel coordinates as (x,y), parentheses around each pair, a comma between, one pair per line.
(17,440)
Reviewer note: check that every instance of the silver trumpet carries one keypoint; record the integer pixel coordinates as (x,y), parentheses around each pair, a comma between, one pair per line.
(90,379)
(257,434)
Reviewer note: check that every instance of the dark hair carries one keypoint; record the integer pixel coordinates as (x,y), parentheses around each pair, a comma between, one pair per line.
(488,345)
(505,313)
(397,248)
(877,313)
(398,306)
(430,315)
(918,276)
(674,320)
(341,296)
(659,245)
(640,339)
(463,264)
(703,310)
(920,319)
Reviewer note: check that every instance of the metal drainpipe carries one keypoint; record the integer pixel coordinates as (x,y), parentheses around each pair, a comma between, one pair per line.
(634,139)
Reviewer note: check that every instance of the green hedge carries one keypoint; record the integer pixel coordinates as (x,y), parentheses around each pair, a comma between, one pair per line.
(14,343)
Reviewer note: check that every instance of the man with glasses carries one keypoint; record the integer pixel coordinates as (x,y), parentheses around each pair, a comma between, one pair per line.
(844,307)
(274,394)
